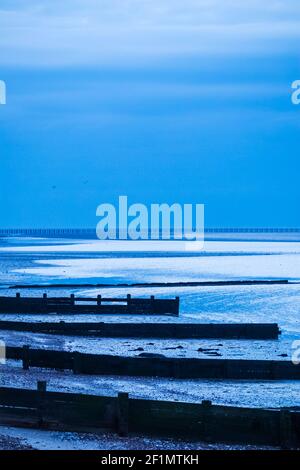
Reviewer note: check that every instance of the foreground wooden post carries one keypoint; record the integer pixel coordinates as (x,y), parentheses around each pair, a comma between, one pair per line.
(25,357)
(98,299)
(41,389)
(72,297)
(206,418)
(41,386)
(206,403)
(285,429)
(122,414)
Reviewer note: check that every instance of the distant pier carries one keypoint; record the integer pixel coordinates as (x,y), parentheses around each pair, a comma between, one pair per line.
(90,233)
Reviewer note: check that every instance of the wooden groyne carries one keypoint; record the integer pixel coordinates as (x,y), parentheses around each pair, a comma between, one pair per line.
(242,282)
(259,331)
(89,305)
(197,421)
(155,365)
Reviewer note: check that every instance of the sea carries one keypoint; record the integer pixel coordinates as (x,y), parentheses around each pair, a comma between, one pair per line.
(225,257)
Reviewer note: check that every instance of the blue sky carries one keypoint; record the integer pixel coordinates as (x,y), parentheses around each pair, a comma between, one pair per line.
(160,100)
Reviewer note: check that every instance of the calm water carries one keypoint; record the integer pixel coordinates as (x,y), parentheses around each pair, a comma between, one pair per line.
(42,261)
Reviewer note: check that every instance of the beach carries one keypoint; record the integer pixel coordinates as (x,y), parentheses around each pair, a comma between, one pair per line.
(46,262)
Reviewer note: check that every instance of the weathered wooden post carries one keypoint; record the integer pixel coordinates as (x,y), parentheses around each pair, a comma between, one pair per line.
(41,389)
(72,297)
(285,429)
(98,300)
(41,386)
(61,324)
(206,403)
(128,303)
(206,418)
(25,357)
(123,414)
(18,295)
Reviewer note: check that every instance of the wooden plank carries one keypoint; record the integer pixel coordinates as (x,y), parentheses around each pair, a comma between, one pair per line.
(150,330)
(199,421)
(157,366)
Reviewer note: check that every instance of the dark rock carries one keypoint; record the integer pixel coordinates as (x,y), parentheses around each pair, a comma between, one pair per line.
(213,353)
(207,349)
(151,355)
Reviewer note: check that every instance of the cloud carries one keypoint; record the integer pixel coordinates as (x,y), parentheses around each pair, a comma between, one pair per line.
(96,32)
